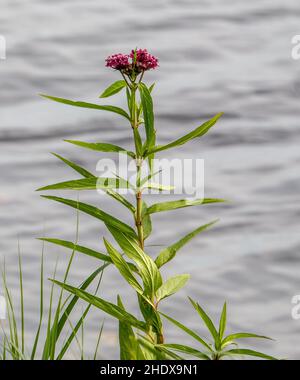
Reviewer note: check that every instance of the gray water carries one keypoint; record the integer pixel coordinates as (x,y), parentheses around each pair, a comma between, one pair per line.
(215,55)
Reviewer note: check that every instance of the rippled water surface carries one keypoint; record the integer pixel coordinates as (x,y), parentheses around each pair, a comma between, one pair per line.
(215,56)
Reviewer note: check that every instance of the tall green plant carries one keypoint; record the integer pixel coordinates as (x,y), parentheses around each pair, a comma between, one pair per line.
(131,259)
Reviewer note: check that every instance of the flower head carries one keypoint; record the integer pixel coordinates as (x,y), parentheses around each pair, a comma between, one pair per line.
(118,61)
(143,60)
(132,64)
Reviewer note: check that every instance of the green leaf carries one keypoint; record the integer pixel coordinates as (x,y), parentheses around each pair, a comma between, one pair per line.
(232,337)
(185,350)
(169,253)
(200,131)
(89,184)
(157,186)
(87,174)
(138,142)
(147,105)
(222,324)
(170,354)
(84,250)
(123,267)
(146,221)
(148,177)
(151,87)
(109,308)
(208,322)
(171,286)
(118,197)
(148,270)
(56,330)
(114,109)
(76,167)
(247,352)
(113,89)
(127,340)
(101,147)
(149,350)
(78,248)
(96,213)
(64,317)
(188,331)
(174,205)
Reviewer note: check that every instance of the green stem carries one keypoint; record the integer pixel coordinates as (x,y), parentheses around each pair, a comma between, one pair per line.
(139,162)
(135,122)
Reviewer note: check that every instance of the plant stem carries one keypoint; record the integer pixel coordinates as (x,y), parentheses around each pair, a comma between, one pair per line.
(135,122)
(139,162)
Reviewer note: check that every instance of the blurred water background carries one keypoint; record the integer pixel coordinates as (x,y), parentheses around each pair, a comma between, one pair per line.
(214,56)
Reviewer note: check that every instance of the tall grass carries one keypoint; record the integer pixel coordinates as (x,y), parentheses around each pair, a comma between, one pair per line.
(55,335)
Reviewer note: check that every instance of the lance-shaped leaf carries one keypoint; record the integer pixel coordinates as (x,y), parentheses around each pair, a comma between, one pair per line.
(138,142)
(157,186)
(200,131)
(185,350)
(118,197)
(78,248)
(247,352)
(101,147)
(188,331)
(171,286)
(170,354)
(85,173)
(208,322)
(97,213)
(123,267)
(174,205)
(148,270)
(149,351)
(109,308)
(147,104)
(223,320)
(169,253)
(232,337)
(113,89)
(89,184)
(87,251)
(114,109)
(146,221)
(129,346)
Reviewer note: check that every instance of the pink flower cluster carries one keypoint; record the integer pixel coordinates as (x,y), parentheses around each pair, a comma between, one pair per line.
(144,60)
(136,62)
(118,61)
